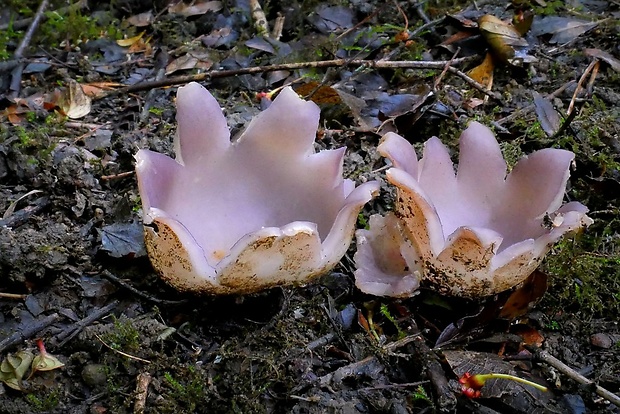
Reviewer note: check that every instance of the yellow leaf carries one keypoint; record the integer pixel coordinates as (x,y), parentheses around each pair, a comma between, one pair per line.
(130,41)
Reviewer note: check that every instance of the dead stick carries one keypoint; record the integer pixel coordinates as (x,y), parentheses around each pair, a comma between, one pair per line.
(574,375)
(12,295)
(16,73)
(69,333)
(579,85)
(29,331)
(380,64)
(108,275)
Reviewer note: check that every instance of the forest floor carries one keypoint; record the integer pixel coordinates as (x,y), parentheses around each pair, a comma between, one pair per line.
(79,97)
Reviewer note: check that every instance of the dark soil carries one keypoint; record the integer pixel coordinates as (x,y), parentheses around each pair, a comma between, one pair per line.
(72,253)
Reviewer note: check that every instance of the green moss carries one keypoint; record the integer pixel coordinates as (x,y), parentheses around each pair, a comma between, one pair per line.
(45,401)
(585,275)
(124,337)
(185,389)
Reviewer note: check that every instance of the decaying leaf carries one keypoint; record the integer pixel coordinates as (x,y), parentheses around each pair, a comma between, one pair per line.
(317,93)
(605,57)
(14,367)
(129,41)
(504,40)
(46,362)
(194,8)
(142,19)
(74,102)
(123,239)
(189,61)
(483,73)
(96,89)
(522,299)
(520,398)
(563,29)
(547,115)
(330,19)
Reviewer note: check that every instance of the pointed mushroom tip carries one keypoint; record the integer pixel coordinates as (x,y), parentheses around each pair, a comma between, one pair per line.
(386,141)
(293,99)
(476,130)
(191,92)
(192,87)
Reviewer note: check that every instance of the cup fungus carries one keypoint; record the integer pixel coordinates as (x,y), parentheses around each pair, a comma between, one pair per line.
(472,234)
(262,211)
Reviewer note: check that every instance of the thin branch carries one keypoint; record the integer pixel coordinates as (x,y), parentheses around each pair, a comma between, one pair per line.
(70,332)
(108,275)
(16,73)
(574,375)
(380,64)
(32,329)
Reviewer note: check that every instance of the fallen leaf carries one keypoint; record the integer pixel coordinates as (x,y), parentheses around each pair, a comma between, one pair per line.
(187,61)
(522,21)
(14,367)
(96,89)
(142,19)
(129,41)
(73,101)
(319,94)
(547,115)
(123,239)
(504,39)
(522,299)
(563,29)
(330,19)
(529,335)
(47,362)
(194,8)
(605,57)
(483,73)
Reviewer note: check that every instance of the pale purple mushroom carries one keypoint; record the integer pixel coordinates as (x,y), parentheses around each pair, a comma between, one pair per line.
(262,211)
(474,233)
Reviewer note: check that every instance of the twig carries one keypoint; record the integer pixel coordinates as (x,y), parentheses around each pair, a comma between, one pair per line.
(12,295)
(117,176)
(29,331)
(574,375)
(322,341)
(401,385)
(69,333)
(392,346)
(16,73)
(9,65)
(278,27)
(379,64)
(590,68)
(108,275)
(443,72)
(472,82)
(20,217)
